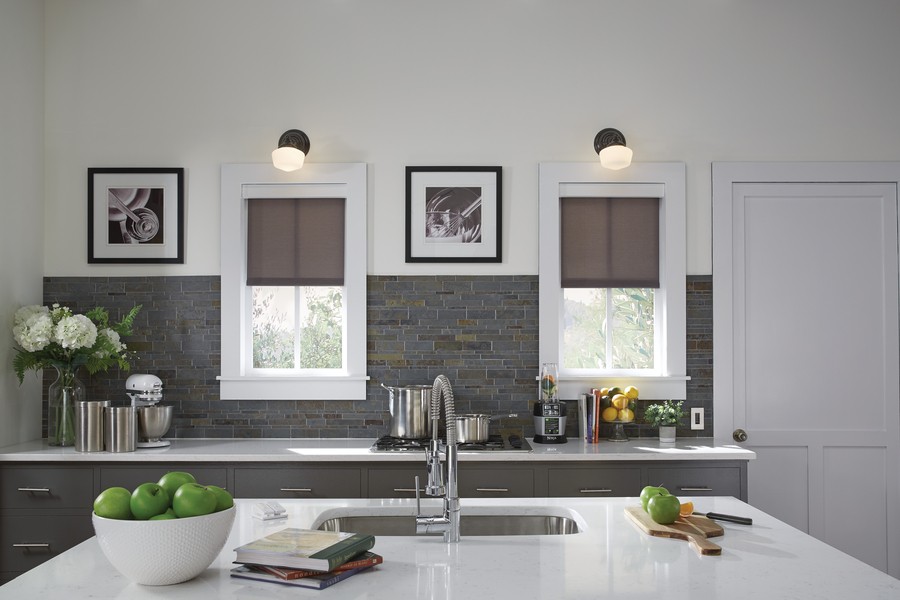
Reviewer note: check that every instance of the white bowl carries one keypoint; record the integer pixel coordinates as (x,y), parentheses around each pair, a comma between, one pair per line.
(166,551)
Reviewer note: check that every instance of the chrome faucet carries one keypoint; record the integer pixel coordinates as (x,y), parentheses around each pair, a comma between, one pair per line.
(437,485)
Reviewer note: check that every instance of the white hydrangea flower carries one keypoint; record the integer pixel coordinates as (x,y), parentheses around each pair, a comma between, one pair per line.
(114,339)
(24,313)
(34,333)
(76,332)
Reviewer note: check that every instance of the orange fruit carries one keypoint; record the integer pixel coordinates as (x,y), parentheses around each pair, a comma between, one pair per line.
(609,414)
(687,509)
(620,401)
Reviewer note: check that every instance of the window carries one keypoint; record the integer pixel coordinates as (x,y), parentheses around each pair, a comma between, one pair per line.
(612,277)
(293,282)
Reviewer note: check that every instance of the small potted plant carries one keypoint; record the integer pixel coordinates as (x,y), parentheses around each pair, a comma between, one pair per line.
(665,416)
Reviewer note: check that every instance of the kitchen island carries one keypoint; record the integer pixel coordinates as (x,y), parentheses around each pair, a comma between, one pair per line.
(609,557)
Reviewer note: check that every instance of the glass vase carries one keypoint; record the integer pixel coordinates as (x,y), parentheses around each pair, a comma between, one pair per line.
(61,398)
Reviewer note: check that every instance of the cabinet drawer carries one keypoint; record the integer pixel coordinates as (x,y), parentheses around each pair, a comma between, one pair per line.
(341,482)
(496,483)
(396,482)
(46,487)
(698,481)
(132,476)
(27,541)
(595,482)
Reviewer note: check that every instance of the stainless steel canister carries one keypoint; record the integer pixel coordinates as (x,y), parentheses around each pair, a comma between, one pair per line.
(121,428)
(89,425)
(410,407)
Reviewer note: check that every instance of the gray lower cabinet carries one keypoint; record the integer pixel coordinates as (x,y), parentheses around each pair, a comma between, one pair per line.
(596,482)
(44,511)
(496,482)
(395,481)
(298,482)
(134,475)
(701,480)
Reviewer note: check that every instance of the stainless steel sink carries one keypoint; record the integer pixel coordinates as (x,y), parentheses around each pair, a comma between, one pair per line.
(474,522)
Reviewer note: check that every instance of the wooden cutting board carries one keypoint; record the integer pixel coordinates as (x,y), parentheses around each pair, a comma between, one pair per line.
(694,529)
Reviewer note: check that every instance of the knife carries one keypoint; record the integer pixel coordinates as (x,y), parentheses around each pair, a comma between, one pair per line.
(729,518)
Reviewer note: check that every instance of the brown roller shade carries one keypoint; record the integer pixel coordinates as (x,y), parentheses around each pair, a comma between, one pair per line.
(609,242)
(295,241)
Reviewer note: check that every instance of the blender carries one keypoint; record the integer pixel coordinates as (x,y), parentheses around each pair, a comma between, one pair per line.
(549,412)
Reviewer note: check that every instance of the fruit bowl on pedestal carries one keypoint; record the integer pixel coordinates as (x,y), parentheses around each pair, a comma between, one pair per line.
(163,552)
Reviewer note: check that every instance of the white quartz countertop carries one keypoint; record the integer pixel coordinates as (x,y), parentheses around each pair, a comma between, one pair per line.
(609,558)
(358,449)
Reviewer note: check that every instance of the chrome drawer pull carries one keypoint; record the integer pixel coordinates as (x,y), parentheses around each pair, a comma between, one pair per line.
(600,491)
(491,489)
(296,489)
(410,490)
(35,490)
(695,489)
(31,545)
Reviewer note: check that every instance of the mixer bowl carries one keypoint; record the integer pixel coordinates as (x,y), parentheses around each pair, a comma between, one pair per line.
(154,421)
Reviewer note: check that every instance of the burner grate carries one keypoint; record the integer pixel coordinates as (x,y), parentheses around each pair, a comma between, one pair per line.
(495,442)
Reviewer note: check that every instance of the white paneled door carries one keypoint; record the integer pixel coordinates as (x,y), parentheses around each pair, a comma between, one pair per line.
(807,347)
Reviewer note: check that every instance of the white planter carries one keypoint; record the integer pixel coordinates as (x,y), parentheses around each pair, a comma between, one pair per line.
(667,434)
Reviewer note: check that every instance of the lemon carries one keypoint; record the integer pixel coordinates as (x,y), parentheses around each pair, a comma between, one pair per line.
(609,414)
(631,392)
(620,401)
(626,415)
(604,391)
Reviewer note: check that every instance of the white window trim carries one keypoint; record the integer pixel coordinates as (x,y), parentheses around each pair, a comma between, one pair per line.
(664,180)
(240,181)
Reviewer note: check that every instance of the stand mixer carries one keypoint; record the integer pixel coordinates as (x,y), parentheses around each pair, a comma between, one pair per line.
(154,418)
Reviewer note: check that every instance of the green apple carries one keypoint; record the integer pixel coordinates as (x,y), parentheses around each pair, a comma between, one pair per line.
(664,508)
(114,503)
(148,500)
(173,480)
(650,491)
(193,500)
(223,498)
(163,516)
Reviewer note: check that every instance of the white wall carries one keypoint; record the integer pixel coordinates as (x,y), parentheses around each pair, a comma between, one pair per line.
(198,83)
(22,201)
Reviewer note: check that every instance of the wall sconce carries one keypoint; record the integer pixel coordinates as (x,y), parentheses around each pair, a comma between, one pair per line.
(610,145)
(293,146)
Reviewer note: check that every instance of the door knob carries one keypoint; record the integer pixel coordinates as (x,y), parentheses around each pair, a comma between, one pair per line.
(739,435)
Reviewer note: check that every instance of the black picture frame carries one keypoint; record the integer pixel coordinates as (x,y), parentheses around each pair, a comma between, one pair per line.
(454,214)
(135,215)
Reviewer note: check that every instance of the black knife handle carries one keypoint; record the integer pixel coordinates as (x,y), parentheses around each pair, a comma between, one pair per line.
(730,518)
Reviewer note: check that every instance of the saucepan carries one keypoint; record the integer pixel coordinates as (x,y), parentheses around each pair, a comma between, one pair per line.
(473,429)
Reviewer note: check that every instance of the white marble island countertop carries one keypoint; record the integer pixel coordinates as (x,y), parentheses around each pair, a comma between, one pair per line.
(359,449)
(609,558)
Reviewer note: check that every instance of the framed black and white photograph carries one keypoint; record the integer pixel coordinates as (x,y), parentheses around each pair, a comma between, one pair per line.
(453,214)
(136,215)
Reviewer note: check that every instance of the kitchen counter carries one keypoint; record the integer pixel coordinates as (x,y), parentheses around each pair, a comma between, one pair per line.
(611,557)
(358,449)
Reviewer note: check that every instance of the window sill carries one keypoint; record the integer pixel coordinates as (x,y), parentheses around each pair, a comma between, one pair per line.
(341,387)
(663,387)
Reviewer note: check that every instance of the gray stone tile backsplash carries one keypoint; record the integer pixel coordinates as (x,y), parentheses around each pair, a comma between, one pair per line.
(481,331)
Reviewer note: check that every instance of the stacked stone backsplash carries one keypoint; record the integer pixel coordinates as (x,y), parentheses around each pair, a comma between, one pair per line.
(481,331)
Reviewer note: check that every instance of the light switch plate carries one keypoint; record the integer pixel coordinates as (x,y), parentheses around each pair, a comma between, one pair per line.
(696,418)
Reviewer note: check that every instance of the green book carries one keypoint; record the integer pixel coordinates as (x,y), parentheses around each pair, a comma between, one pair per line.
(305,549)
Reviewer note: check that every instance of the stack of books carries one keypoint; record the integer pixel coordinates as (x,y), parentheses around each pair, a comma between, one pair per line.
(306,558)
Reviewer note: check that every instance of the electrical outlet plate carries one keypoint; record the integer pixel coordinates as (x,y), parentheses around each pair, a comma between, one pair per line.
(696,418)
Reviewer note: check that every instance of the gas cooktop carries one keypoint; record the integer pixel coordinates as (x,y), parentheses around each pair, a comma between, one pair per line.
(494,443)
